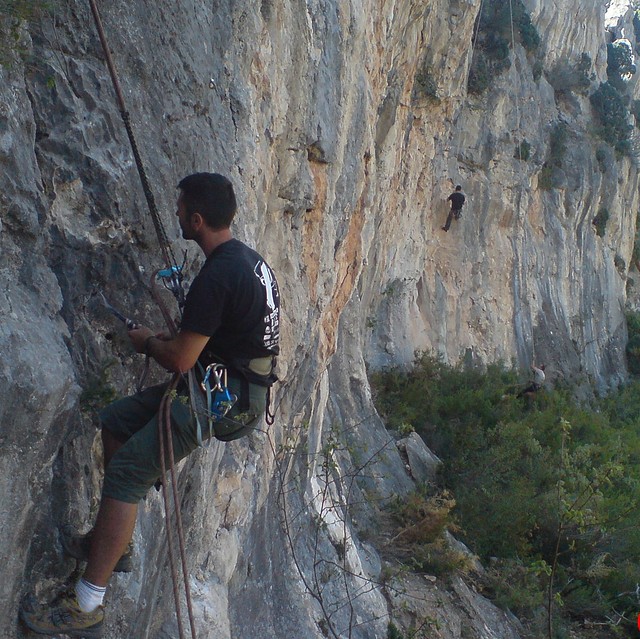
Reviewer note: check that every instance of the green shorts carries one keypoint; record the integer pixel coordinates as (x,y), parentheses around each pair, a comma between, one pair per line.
(133,420)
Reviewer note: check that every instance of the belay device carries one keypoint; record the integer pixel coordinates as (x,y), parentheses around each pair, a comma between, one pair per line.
(219,400)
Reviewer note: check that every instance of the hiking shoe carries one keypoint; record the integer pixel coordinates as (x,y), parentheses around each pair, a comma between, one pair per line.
(77,546)
(63,616)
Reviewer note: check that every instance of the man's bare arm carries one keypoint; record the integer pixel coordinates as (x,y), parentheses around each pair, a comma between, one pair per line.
(177,354)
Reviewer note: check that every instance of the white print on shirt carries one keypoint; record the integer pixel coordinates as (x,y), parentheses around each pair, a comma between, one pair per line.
(268,282)
(272,319)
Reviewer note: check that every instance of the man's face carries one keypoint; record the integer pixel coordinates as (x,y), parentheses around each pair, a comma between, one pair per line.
(184,220)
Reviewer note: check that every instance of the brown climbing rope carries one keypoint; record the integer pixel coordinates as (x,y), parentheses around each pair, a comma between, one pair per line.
(166,453)
(166,448)
(163,240)
(164,417)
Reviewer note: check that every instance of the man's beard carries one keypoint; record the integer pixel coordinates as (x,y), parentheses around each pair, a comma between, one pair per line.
(187,233)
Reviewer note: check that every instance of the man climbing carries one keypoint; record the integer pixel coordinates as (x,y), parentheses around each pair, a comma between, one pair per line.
(457,202)
(231,315)
(536,385)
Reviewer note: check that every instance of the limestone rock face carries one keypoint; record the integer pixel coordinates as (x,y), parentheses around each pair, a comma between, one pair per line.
(344,125)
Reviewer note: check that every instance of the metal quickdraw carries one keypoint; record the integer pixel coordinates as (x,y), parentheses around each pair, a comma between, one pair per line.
(172,280)
(129,323)
(219,399)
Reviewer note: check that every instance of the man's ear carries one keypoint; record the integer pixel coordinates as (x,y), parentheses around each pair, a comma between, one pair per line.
(196,221)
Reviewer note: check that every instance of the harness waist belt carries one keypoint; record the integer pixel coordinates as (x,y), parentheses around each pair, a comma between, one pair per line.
(261,365)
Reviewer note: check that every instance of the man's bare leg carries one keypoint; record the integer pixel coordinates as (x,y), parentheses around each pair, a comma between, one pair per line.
(113,528)
(109,540)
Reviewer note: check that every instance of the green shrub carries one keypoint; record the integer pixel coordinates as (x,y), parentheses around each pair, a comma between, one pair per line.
(574,77)
(393,632)
(633,344)
(492,37)
(537,69)
(550,176)
(14,18)
(542,485)
(479,74)
(612,115)
(495,20)
(600,221)
(602,158)
(522,151)
(529,35)
(424,84)
(420,521)
(546,178)
(97,390)
(518,587)
(620,66)
(496,46)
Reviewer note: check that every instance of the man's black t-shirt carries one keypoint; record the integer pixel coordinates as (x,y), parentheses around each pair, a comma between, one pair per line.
(234,299)
(457,200)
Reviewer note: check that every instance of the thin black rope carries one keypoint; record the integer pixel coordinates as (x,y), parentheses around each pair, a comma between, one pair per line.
(163,239)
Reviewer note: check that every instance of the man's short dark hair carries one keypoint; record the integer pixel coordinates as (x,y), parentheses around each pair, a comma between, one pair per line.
(211,195)
(458,188)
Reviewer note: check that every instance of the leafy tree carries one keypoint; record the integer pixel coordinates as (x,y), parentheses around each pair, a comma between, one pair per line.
(620,64)
(612,114)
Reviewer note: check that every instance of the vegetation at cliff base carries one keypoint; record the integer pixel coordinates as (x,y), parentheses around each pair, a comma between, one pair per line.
(633,344)
(545,490)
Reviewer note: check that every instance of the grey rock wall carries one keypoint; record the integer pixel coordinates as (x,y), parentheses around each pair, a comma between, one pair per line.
(342,171)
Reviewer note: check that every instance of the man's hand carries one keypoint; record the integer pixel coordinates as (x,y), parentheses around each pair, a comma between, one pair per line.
(138,337)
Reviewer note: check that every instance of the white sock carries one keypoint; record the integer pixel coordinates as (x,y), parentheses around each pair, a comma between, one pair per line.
(89,596)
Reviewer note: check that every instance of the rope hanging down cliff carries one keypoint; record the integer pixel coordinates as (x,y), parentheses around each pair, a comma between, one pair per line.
(462,131)
(485,5)
(175,273)
(174,277)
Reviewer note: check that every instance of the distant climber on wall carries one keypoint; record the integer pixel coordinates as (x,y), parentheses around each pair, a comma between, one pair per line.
(457,200)
(231,317)
(536,384)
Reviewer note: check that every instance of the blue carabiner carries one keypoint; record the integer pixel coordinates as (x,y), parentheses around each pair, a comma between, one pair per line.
(168,273)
